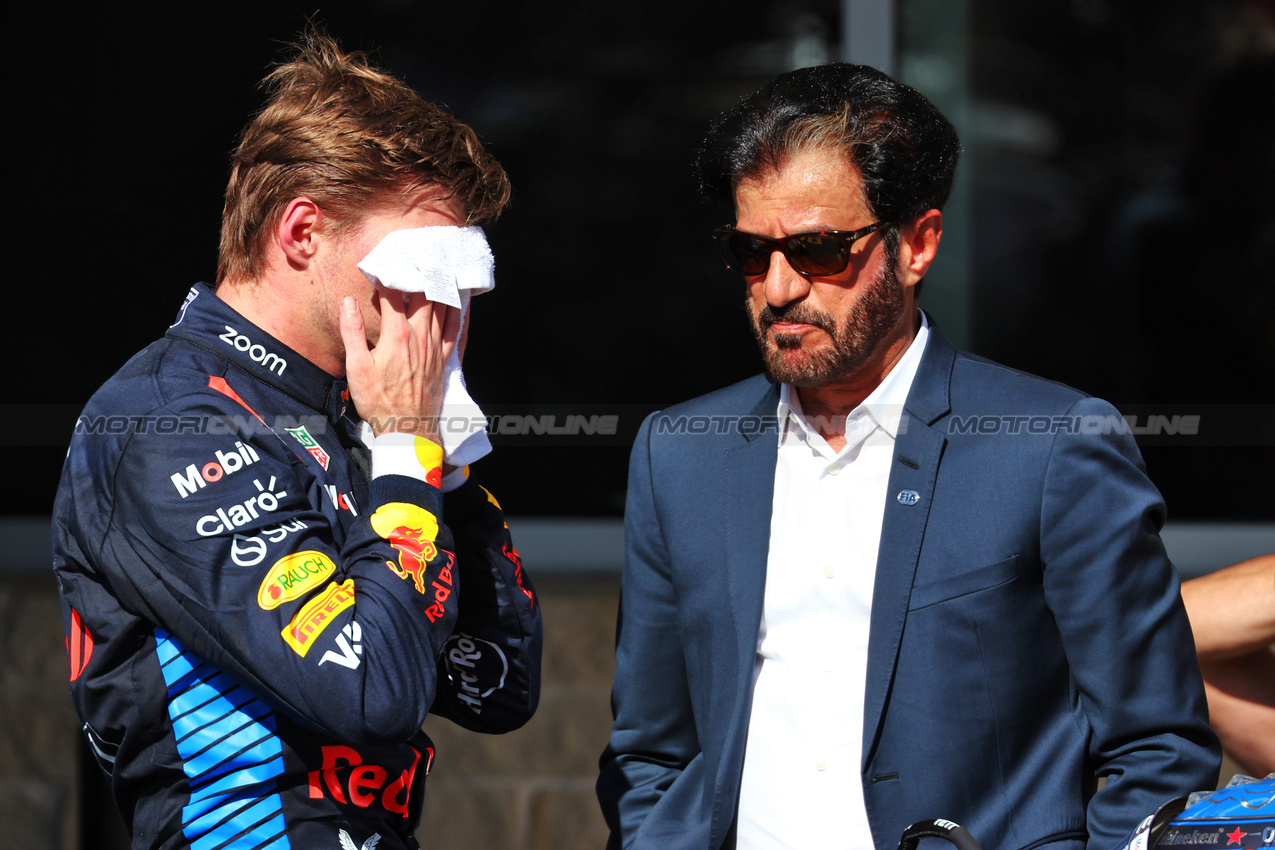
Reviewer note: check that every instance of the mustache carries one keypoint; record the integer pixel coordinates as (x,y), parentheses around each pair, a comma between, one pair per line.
(795,313)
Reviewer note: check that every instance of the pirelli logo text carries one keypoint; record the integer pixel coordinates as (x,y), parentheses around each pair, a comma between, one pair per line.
(317,614)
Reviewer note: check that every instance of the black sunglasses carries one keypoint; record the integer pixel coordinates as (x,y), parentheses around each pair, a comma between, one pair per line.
(817,254)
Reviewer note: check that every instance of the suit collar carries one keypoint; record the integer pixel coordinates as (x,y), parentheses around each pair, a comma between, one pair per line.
(930,397)
(764,415)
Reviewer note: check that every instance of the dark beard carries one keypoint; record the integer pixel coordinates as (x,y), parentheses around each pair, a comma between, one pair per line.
(854,340)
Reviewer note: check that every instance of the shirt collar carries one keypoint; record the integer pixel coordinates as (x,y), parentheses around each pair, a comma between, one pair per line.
(884,405)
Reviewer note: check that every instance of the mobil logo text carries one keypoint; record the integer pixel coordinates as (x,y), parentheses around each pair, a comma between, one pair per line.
(197,477)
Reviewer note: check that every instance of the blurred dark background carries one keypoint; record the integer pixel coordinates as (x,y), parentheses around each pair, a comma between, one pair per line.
(1112,226)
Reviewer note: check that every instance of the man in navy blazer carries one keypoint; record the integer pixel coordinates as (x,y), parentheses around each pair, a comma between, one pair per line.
(888,580)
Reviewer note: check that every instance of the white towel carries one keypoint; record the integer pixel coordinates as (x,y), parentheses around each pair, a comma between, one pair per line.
(449,264)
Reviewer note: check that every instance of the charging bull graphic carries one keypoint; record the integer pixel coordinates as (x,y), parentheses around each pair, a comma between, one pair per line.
(411,530)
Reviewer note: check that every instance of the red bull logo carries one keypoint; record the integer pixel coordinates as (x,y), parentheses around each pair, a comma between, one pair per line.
(411,530)
(348,780)
(442,589)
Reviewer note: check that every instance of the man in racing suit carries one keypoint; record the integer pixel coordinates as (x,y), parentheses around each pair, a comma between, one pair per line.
(257,621)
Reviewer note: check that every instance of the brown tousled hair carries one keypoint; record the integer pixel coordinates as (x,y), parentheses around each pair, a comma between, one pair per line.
(348,136)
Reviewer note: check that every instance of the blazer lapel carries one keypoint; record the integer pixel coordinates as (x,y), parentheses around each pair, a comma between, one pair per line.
(918,452)
(749,466)
(749,500)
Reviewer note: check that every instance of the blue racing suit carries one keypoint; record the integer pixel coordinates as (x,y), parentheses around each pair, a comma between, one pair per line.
(256,631)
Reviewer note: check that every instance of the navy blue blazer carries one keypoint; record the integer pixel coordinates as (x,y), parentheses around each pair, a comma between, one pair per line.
(1027,633)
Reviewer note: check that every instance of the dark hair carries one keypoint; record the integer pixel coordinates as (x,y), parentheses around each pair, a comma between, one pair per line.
(905,149)
(348,136)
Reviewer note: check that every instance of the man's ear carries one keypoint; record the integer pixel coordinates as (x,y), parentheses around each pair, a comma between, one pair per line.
(918,244)
(298,231)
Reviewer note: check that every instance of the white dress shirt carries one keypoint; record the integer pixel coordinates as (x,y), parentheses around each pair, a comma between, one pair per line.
(801,786)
